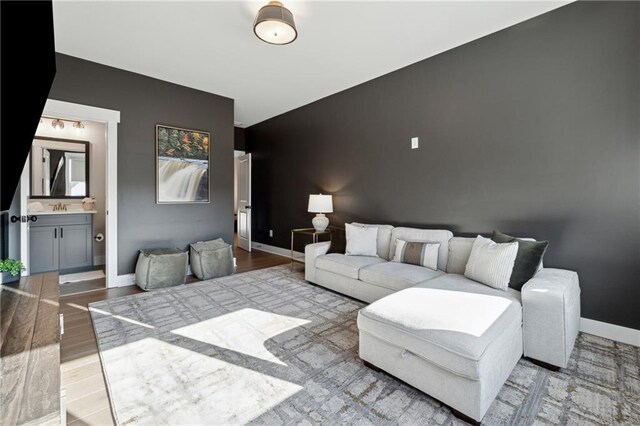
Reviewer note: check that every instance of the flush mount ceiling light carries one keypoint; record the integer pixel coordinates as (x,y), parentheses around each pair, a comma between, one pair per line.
(274,24)
(57,124)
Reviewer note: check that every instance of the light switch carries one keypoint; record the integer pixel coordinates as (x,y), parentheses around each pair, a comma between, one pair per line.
(414,143)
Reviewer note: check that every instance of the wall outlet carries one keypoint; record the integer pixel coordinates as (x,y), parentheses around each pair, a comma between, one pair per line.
(271,233)
(414,143)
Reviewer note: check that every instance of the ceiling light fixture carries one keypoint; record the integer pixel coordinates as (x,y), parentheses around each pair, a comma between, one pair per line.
(57,124)
(274,24)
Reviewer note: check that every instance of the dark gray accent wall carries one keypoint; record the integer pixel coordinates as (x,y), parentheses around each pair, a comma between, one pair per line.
(144,102)
(534,130)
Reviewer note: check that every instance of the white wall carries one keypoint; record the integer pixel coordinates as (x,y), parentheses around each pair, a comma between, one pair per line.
(95,133)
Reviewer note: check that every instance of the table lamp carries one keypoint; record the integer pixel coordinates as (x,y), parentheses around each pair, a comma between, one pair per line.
(320,204)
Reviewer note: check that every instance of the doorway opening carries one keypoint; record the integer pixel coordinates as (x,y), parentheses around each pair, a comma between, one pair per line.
(66,203)
(242,199)
(71,176)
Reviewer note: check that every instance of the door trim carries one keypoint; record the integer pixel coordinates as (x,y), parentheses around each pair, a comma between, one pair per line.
(25,183)
(110,118)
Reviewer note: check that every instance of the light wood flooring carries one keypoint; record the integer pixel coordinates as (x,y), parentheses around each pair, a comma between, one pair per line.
(82,379)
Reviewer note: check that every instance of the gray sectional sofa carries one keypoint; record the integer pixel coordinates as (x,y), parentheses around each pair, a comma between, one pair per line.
(453,338)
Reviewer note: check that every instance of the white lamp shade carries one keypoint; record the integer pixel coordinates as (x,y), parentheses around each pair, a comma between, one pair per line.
(319,203)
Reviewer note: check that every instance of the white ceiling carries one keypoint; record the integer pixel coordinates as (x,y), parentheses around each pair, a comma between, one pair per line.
(211,46)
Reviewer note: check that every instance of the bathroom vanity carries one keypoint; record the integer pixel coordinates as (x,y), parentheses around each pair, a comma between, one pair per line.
(61,241)
(60,230)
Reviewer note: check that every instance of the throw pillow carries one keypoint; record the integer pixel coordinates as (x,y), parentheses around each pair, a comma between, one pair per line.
(491,263)
(528,258)
(361,240)
(417,253)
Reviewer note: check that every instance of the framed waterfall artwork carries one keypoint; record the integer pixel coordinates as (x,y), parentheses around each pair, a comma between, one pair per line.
(182,165)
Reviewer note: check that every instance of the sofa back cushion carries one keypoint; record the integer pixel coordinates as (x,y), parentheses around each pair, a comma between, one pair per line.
(459,252)
(441,236)
(384,238)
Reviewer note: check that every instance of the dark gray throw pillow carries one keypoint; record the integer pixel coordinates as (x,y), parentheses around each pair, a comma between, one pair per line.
(527,260)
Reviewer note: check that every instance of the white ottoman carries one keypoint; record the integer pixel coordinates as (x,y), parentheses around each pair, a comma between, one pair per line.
(452,338)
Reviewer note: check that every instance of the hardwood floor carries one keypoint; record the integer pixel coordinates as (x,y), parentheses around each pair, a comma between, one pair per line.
(82,379)
(30,351)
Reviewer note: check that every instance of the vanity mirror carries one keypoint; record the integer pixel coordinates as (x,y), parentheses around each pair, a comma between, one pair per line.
(59,168)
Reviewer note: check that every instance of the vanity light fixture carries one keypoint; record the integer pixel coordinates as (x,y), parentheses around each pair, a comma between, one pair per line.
(57,124)
(274,24)
(79,126)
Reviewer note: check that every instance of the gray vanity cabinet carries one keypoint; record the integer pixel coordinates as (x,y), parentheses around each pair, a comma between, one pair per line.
(43,249)
(61,243)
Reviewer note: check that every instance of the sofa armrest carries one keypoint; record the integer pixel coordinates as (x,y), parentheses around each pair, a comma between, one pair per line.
(311,252)
(551,315)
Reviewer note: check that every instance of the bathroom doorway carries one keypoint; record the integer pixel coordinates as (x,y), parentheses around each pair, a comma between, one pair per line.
(69,197)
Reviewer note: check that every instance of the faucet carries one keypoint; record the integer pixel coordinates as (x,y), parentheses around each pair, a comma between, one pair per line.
(60,207)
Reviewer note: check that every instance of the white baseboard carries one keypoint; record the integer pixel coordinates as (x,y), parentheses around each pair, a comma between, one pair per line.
(130,279)
(124,280)
(277,250)
(618,333)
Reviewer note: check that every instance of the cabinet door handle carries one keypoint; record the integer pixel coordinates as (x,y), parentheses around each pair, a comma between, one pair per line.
(61,232)
(55,233)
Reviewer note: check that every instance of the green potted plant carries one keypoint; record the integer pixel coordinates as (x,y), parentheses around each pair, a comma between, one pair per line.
(11,267)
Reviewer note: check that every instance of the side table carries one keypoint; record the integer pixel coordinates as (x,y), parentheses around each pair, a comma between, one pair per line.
(314,237)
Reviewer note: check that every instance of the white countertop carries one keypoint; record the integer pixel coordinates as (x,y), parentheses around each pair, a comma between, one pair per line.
(50,212)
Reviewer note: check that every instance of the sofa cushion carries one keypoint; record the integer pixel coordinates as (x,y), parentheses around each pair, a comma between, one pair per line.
(459,252)
(440,236)
(414,253)
(491,263)
(384,238)
(528,259)
(396,276)
(449,321)
(344,265)
(361,240)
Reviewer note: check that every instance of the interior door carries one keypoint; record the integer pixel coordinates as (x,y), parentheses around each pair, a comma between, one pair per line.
(244,202)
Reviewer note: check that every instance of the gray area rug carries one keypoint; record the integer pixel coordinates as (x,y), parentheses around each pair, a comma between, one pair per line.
(265,347)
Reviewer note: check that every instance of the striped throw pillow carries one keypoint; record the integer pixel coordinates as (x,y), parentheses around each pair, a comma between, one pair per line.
(491,263)
(417,253)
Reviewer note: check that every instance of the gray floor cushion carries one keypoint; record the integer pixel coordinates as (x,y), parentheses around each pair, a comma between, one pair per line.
(159,268)
(211,259)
